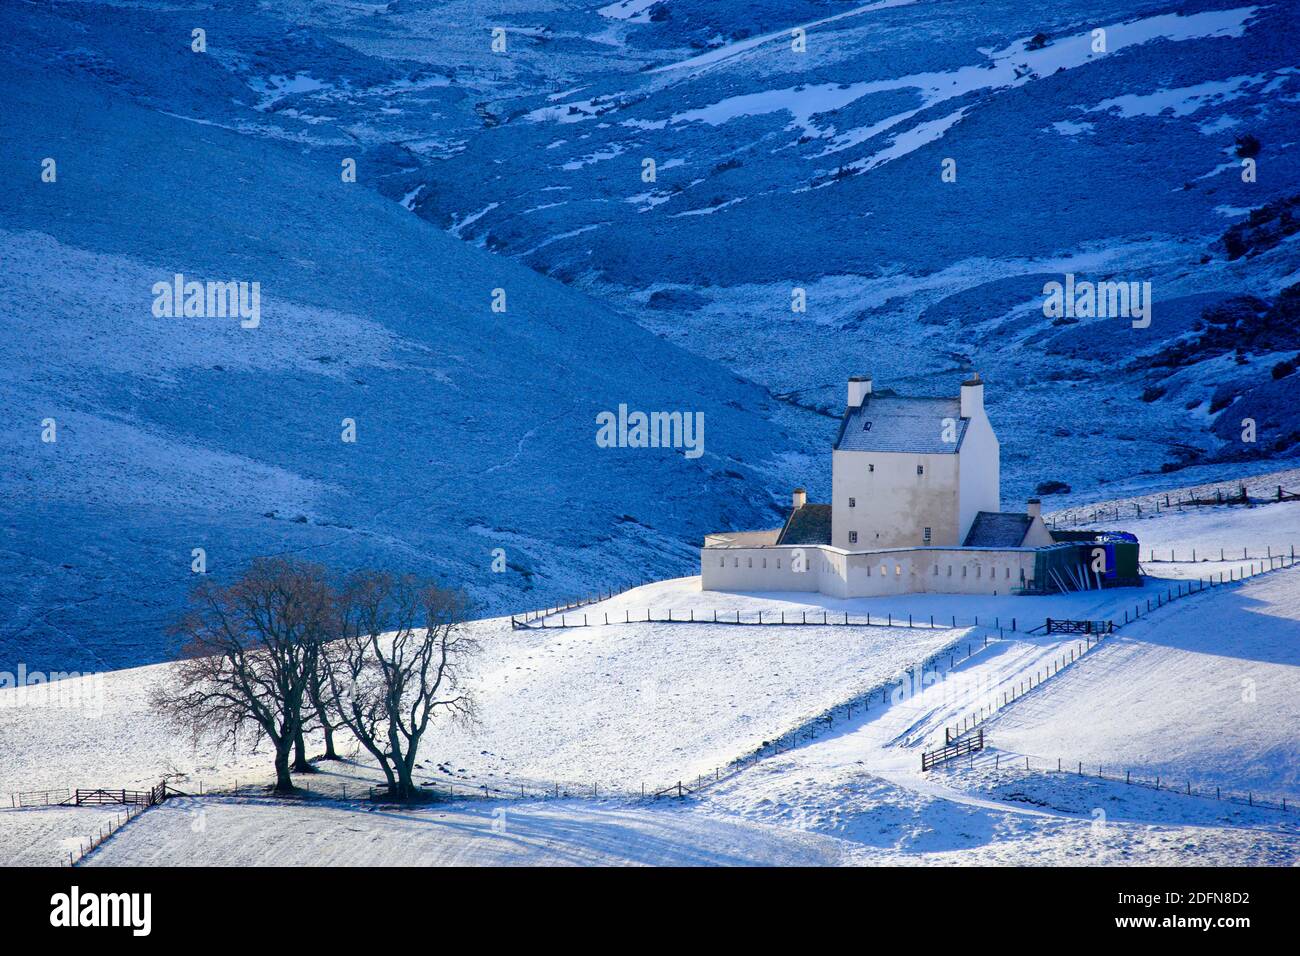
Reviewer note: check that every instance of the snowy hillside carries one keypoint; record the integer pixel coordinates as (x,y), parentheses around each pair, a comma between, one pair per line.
(474,430)
(458,234)
(826,168)
(1206,694)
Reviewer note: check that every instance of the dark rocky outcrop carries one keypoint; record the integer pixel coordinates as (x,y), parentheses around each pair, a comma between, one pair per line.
(1263,229)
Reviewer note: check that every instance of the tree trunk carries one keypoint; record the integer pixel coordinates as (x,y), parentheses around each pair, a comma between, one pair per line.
(317,694)
(283,782)
(330,753)
(406,789)
(406,766)
(300,764)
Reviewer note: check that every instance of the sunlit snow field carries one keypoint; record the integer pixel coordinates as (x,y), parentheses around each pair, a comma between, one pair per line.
(622,705)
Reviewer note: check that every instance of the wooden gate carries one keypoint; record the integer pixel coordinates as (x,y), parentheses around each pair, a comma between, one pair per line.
(968,746)
(1079,627)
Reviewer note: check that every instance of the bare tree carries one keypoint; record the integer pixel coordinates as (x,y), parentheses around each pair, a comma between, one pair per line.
(320,712)
(399,661)
(249,651)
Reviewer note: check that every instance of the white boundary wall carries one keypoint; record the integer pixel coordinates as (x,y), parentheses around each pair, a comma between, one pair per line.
(841,573)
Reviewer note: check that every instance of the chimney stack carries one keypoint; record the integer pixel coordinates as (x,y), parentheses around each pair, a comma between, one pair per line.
(1035,508)
(800,498)
(859,389)
(972,396)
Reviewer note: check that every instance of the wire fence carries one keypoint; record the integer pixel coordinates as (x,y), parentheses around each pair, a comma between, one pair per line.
(809,729)
(596,597)
(814,618)
(105,831)
(974,720)
(825,618)
(1161,504)
(39,798)
(1172,593)
(1202,557)
(905,684)
(1245,797)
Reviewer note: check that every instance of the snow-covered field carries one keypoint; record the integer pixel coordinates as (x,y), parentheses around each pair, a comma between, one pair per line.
(778,819)
(1203,690)
(1005,819)
(618,706)
(625,705)
(1211,530)
(1207,691)
(44,836)
(223,832)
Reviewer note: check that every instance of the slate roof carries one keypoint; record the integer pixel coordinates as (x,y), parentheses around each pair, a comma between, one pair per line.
(810,524)
(994,529)
(900,423)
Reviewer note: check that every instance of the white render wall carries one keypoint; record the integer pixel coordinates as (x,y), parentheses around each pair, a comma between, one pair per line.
(1038,535)
(893,504)
(980,472)
(841,573)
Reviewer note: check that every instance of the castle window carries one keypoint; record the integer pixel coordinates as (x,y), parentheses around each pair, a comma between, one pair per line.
(853,502)
(963,570)
(778,564)
(898,570)
(751,562)
(765,562)
(927,535)
(722,562)
(950,570)
(870,467)
(920,469)
(853,537)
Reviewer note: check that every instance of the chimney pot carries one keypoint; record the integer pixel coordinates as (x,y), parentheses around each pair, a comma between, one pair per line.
(859,389)
(800,498)
(1034,508)
(972,396)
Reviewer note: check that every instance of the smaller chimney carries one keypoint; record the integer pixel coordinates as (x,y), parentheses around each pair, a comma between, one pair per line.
(800,498)
(1035,508)
(972,396)
(859,389)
